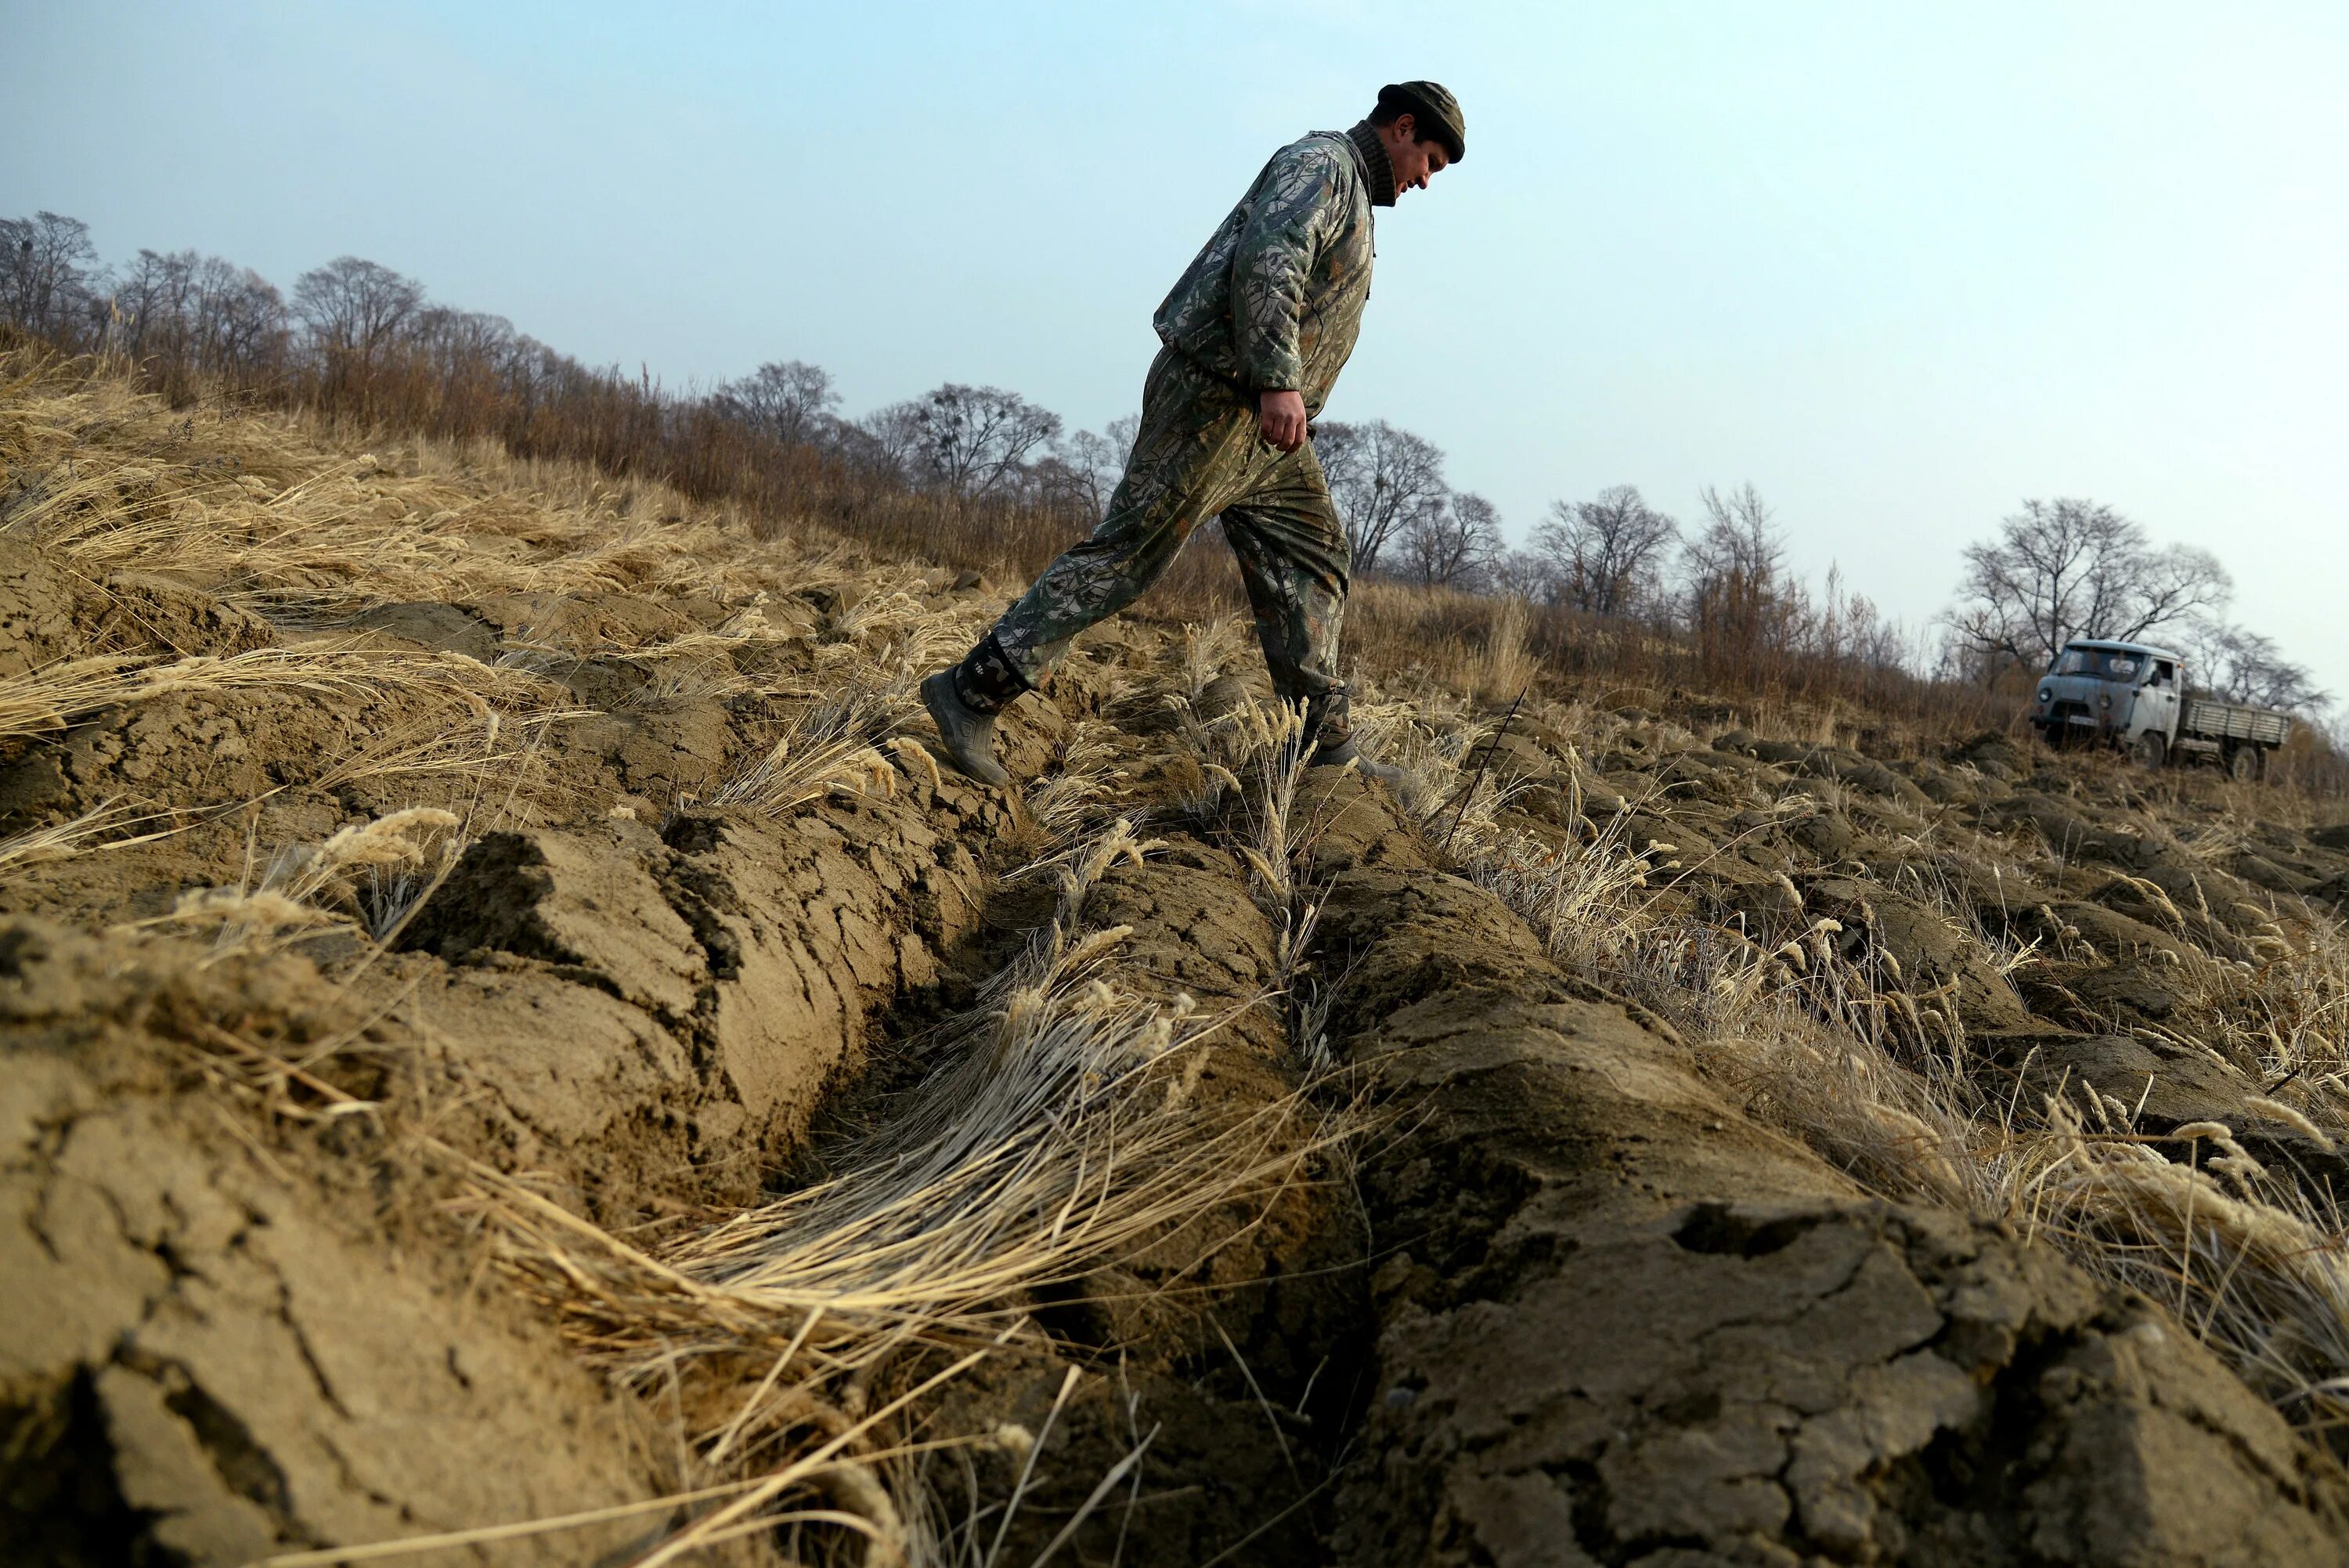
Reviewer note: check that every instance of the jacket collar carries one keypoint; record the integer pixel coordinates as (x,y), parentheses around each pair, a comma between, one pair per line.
(1378,168)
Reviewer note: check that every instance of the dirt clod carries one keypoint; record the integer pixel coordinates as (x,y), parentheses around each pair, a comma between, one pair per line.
(1629,1320)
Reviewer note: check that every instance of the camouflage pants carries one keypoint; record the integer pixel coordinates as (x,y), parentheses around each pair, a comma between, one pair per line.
(1198,454)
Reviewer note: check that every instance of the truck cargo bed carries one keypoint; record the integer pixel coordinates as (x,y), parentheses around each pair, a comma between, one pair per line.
(2209,719)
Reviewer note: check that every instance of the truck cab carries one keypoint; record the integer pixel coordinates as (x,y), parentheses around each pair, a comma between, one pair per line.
(2133,696)
(2112,694)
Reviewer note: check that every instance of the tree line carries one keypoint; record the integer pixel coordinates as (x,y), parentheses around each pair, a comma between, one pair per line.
(2071,568)
(964,467)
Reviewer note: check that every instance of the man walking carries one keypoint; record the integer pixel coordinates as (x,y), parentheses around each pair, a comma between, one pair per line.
(1255,334)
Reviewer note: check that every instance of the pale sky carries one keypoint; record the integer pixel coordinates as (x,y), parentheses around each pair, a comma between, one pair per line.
(1901,267)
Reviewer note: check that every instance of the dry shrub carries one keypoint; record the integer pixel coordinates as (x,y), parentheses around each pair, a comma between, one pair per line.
(1465,642)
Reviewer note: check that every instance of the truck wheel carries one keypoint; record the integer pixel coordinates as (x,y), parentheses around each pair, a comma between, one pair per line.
(2150,750)
(2245,764)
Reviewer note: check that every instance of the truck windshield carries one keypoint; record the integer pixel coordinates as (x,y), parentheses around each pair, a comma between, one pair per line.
(2104,663)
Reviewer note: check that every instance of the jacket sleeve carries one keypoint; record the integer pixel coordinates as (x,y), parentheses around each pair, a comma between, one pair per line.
(1296,208)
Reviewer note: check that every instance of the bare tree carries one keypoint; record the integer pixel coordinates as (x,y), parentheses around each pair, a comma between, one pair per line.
(1477,527)
(1081,473)
(155,305)
(1123,432)
(463,334)
(50,274)
(240,318)
(1873,639)
(198,313)
(1740,539)
(2071,568)
(2242,665)
(1524,574)
(1739,601)
(355,307)
(886,444)
(973,439)
(1849,627)
(1604,555)
(787,399)
(1450,543)
(1382,478)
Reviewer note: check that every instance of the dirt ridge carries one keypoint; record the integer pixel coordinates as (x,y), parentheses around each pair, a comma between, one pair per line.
(1575,1306)
(1704,1341)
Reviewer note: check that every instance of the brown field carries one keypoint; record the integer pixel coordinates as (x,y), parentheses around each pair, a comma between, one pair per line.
(517,1052)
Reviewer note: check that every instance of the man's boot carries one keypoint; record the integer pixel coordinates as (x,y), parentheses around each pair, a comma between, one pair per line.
(1332,729)
(1342,753)
(964,701)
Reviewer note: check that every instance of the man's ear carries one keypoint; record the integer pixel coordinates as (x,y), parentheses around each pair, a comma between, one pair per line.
(1405,128)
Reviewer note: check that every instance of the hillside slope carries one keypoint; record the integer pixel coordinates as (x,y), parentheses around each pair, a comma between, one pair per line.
(509,1027)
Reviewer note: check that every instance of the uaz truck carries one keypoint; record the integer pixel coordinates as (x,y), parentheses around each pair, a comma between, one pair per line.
(2133,696)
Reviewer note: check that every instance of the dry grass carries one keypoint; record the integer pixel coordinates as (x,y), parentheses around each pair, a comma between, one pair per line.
(1063,1126)
(112,491)
(865,685)
(104,481)
(102,826)
(1262,753)
(1845,1057)
(1065,798)
(268,523)
(49,699)
(1063,1130)
(2295,1007)
(367,878)
(1458,642)
(830,747)
(2245,1260)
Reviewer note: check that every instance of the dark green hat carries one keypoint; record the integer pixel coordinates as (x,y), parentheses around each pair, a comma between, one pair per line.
(1432,109)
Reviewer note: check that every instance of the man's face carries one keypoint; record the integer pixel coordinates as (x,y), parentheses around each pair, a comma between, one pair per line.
(1415,162)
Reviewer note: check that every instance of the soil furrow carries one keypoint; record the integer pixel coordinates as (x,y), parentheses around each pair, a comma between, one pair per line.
(1619,1323)
(1232,1340)
(299,1221)
(643,1025)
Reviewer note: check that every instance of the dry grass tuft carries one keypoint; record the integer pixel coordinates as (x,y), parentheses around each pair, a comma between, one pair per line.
(1062,1129)
(2247,1262)
(368,877)
(99,827)
(1841,1054)
(48,699)
(1063,800)
(867,679)
(831,747)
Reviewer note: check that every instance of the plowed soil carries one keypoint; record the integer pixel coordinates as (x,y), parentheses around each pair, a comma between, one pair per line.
(1678,1136)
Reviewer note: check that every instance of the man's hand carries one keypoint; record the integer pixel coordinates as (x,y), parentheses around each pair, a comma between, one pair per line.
(1281,416)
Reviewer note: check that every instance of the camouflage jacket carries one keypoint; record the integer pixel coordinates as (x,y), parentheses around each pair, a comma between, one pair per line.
(1275,300)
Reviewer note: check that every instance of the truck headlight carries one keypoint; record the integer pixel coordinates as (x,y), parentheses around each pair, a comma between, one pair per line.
(2044,693)
(2104,699)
